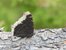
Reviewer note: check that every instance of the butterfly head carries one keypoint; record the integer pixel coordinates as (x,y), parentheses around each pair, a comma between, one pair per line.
(28,14)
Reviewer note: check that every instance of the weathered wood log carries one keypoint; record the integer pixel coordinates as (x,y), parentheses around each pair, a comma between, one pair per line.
(44,39)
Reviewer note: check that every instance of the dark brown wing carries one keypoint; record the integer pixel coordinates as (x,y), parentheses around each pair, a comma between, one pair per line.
(25,29)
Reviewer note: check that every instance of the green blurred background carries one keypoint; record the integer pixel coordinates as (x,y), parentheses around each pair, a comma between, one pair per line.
(46,13)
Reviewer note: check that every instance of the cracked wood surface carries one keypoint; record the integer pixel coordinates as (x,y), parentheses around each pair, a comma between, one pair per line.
(44,39)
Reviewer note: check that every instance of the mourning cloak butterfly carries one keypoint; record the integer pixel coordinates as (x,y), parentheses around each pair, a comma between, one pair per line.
(24,26)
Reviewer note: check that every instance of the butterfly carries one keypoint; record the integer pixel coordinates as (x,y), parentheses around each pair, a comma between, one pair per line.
(24,26)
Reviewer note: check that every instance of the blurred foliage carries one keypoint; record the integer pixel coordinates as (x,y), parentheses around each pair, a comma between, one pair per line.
(46,13)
